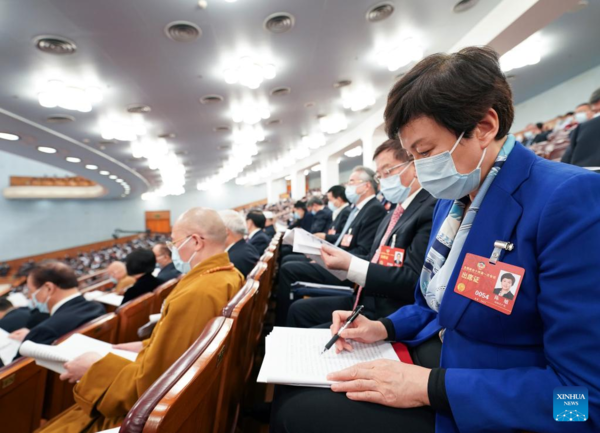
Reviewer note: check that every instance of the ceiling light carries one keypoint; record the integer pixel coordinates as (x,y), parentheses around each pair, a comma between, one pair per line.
(526,53)
(464,5)
(139,108)
(72,159)
(314,141)
(91,167)
(104,172)
(399,54)
(306,172)
(182,31)
(333,124)
(354,152)
(280,91)
(8,136)
(123,128)
(249,72)
(279,22)
(45,149)
(316,168)
(380,12)
(288,178)
(57,94)
(112,176)
(250,113)
(358,100)
(55,45)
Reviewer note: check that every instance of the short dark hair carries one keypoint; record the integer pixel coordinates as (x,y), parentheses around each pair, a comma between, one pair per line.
(582,104)
(455,90)
(5,304)
(314,200)
(300,205)
(140,261)
(595,98)
(570,113)
(258,218)
(338,191)
(540,125)
(164,250)
(508,276)
(395,146)
(55,272)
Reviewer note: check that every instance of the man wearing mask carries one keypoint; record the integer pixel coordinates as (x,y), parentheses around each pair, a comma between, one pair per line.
(303,218)
(529,135)
(388,276)
(322,215)
(338,204)
(55,291)
(163,259)
(117,272)
(356,237)
(584,147)
(109,386)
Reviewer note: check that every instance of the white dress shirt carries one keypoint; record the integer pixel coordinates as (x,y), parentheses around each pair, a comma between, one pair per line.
(357,272)
(63,302)
(338,210)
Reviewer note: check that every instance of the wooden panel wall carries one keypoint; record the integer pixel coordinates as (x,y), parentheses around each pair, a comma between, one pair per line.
(158,221)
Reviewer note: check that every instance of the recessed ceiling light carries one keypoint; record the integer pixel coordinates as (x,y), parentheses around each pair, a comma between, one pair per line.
(112,176)
(45,149)
(72,159)
(120,181)
(281,91)
(380,12)
(464,5)
(211,99)
(183,31)
(104,172)
(139,108)
(91,167)
(55,45)
(342,83)
(279,22)
(309,105)
(167,135)
(8,136)
(60,119)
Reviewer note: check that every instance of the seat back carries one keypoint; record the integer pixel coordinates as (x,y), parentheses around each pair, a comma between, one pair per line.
(21,396)
(161,293)
(239,357)
(192,381)
(59,394)
(102,286)
(132,316)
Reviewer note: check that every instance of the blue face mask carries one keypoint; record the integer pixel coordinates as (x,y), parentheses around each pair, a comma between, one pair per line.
(351,193)
(113,280)
(180,265)
(297,216)
(438,175)
(42,307)
(392,188)
(331,206)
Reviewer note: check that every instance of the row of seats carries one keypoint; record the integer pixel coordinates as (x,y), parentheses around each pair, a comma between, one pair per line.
(208,379)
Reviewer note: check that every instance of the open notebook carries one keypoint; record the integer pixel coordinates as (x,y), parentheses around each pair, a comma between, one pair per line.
(293,357)
(53,357)
(8,347)
(103,297)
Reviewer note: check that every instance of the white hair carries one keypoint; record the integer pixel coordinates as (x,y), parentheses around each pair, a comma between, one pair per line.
(234,221)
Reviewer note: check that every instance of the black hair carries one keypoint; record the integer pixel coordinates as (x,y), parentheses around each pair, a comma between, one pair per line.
(338,191)
(140,261)
(5,304)
(55,272)
(300,205)
(508,276)
(258,218)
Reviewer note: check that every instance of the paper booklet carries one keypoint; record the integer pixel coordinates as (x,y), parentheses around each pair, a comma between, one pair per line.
(8,347)
(293,357)
(18,299)
(322,286)
(53,357)
(104,297)
(306,243)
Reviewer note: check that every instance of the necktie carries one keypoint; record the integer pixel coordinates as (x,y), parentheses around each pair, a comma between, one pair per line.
(393,221)
(347,226)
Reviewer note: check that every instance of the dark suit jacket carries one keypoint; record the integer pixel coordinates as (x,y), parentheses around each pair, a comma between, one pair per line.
(393,287)
(260,241)
(15,319)
(584,149)
(321,220)
(168,273)
(68,317)
(270,231)
(243,256)
(145,284)
(339,222)
(363,229)
(508,295)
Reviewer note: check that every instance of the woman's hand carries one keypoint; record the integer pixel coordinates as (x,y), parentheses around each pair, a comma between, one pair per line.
(77,367)
(386,382)
(135,346)
(361,329)
(335,259)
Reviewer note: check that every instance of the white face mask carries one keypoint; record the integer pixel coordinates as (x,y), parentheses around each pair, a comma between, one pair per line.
(392,188)
(581,117)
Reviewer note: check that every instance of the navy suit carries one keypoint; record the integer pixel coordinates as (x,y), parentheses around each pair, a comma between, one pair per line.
(243,256)
(15,319)
(340,221)
(270,231)
(168,273)
(145,284)
(260,241)
(67,318)
(584,149)
(321,220)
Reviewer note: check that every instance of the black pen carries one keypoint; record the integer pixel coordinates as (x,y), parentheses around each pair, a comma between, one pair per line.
(348,322)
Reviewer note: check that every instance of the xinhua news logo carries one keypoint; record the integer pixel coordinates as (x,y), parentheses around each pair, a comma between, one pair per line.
(571,404)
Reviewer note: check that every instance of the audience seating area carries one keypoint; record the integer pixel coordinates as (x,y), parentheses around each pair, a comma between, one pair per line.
(214,370)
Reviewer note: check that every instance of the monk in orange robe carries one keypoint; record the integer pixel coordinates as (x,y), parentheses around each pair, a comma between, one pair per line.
(109,386)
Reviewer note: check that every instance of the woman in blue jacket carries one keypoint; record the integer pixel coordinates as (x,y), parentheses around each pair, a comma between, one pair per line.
(482,363)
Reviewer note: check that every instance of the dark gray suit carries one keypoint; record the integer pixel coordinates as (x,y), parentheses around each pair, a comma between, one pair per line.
(584,149)
(243,256)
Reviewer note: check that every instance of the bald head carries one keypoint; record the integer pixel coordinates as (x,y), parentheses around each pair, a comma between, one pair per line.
(117,270)
(204,222)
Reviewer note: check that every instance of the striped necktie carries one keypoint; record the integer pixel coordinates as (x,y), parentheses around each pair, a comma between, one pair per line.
(347,226)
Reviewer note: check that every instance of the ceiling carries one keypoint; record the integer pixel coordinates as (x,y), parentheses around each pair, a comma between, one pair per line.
(122,47)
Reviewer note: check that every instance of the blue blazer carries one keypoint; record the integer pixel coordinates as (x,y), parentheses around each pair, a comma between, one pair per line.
(502,370)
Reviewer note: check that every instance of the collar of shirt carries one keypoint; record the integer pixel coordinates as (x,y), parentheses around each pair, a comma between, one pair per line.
(63,302)
(338,210)
(253,233)
(406,203)
(364,202)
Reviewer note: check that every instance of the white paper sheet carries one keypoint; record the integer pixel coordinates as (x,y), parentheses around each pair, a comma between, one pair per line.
(8,347)
(293,357)
(18,299)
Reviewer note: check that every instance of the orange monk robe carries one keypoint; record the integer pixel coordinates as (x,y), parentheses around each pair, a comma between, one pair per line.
(112,385)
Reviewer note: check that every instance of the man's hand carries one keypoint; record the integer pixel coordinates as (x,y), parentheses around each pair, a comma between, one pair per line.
(361,329)
(386,382)
(135,346)
(335,259)
(77,367)
(320,235)
(19,334)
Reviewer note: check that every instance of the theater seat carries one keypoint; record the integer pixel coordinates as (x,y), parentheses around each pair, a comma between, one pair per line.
(161,293)
(102,286)
(59,393)
(132,316)
(21,396)
(185,397)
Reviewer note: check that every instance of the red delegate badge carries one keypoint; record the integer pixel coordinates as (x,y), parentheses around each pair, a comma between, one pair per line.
(493,285)
(347,239)
(389,256)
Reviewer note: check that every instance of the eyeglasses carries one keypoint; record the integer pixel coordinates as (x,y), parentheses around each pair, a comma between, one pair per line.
(388,171)
(172,244)
(351,182)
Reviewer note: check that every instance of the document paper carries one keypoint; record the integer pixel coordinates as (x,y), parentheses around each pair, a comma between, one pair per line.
(8,347)
(293,357)
(306,243)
